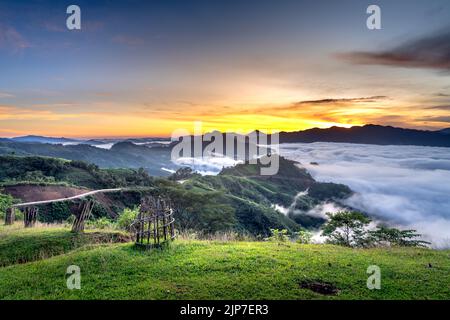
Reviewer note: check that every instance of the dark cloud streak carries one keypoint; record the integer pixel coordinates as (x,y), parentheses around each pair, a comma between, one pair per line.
(344,100)
(430,52)
(440,107)
(437,119)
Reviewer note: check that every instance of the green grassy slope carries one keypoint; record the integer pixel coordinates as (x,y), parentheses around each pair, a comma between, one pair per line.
(230,270)
(18,245)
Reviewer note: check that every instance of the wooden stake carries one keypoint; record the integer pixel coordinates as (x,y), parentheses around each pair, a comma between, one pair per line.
(83,214)
(10,216)
(30,216)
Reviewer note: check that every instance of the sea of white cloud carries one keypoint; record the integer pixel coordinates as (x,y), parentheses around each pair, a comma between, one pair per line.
(208,165)
(405,186)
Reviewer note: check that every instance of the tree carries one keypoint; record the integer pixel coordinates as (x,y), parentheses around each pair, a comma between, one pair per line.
(303,236)
(347,228)
(183,174)
(278,235)
(5,202)
(385,236)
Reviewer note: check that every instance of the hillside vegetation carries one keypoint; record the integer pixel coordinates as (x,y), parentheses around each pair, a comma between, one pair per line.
(121,155)
(224,270)
(253,196)
(34,169)
(237,199)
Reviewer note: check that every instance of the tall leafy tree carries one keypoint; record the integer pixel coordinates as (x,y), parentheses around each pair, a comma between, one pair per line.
(347,228)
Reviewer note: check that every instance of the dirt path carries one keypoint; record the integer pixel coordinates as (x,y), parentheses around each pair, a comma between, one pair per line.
(80,196)
(32,193)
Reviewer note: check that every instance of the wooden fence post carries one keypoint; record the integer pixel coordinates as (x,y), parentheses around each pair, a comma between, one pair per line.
(82,215)
(30,216)
(10,216)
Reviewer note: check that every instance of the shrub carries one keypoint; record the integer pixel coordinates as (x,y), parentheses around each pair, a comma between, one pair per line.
(126,218)
(101,223)
(70,220)
(303,237)
(54,212)
(279,235)
(391,237)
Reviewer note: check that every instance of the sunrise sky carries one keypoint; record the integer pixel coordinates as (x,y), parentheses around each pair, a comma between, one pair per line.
(146,68)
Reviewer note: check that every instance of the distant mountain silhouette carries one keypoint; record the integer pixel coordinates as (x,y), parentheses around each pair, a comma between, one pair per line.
(42,139)
(370,134)
(445,131)
(122,155)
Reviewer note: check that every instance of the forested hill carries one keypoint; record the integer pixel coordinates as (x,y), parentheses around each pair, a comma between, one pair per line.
(45,170)
(237,199)
(121,155)
(254,196)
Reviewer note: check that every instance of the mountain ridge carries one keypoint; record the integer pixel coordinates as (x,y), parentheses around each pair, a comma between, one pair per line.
(154,157)
(43,139)
(367,134)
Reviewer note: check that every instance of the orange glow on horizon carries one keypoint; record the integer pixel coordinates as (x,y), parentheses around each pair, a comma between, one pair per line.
(112,120)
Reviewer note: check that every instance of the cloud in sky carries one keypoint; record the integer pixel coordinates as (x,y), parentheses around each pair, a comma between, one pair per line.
(403,185)
(438,119)
(15,113)
(210,165)
(128,40)
(342,100)
(442,95)
(331,105)
(431,52)
(440,107)
(240,73)
(11,40)
(340,111)
(54,27)
(6,95)
(92,116)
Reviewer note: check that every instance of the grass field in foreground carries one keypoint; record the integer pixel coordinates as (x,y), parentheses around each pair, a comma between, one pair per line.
(20,245)
(220,270)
